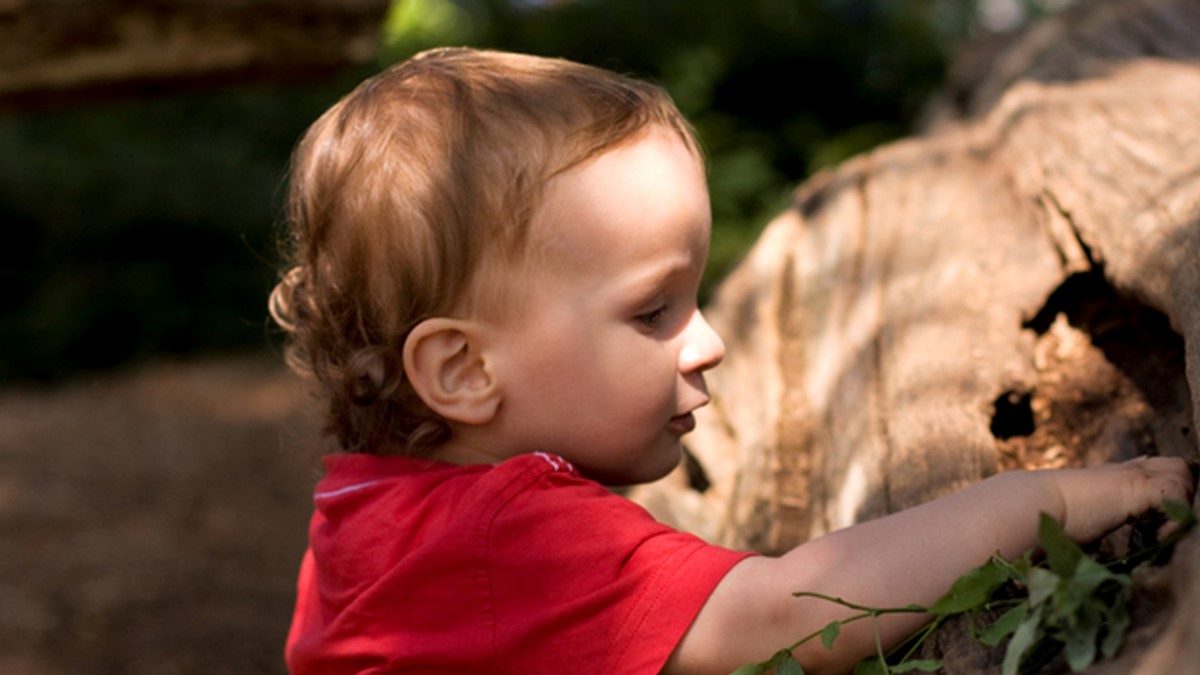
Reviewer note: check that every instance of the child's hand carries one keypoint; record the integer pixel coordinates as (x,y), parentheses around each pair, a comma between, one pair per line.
(1098,499)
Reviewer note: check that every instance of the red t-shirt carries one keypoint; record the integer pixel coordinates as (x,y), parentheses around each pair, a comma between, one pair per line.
(417,566)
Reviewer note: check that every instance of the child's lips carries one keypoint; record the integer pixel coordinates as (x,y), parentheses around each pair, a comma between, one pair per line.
(682,424)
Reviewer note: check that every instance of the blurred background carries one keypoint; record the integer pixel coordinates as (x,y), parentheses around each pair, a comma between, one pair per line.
(155,459)
(140,205)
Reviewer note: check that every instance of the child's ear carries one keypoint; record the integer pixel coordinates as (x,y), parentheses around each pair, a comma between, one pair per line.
(445,362)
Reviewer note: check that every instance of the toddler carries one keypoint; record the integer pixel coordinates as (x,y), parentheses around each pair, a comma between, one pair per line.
(495,260)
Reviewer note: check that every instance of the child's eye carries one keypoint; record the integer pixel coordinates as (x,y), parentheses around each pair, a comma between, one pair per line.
(653,318)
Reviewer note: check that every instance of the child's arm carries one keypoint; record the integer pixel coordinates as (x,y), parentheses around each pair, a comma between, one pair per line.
(908,557)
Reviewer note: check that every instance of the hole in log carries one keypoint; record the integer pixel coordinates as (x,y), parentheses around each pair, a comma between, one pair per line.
(1012,415)
(1110,382)
(1137,339)
(1069,298)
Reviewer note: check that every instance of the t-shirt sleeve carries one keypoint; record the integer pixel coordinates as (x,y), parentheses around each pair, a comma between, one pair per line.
(586,581)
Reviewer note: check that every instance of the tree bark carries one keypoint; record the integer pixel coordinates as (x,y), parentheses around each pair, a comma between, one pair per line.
(1017,286)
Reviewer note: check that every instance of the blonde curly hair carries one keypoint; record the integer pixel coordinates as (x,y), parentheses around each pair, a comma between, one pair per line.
(410,198)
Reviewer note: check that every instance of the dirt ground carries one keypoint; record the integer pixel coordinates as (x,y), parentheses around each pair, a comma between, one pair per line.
(152,520)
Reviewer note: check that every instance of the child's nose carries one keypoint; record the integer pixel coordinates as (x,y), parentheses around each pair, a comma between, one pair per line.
(702,348)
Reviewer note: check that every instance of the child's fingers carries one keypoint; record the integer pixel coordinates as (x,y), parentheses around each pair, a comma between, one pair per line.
(1167,529)
(1164,478)
(1101,498)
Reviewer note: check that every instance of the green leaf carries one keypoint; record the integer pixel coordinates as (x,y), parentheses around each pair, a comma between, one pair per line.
(1017,569)
(871,666)
(1091,573)
(1083,584)
(972,590)
(1080,640)
(1073,591)
(1022,640)
(1062,554)
(789,666)
(1042,585)
(1179,512)
(923,665)
(751,669)
(1004,626)
(1115,625)
(830,633)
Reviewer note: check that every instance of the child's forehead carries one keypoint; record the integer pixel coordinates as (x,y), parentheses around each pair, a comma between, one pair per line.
(647,192)
(653,152)
(654,161)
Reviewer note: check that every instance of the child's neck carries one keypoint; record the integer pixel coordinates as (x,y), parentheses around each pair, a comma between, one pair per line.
(463,453)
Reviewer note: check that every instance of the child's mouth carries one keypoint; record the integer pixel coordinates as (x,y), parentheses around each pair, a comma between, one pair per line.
(682,424)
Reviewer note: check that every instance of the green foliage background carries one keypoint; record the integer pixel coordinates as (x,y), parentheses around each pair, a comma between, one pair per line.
(775,88)
(145,225)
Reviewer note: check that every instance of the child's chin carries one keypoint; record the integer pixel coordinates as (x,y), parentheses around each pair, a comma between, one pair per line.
(645,466)
(656,466)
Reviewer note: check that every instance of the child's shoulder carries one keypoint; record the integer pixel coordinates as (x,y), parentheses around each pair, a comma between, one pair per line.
(534,494)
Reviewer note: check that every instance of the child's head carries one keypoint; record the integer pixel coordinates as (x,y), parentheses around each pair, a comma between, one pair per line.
(412,198)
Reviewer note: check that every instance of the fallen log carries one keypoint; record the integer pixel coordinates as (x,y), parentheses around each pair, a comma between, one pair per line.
(1019,286)
(55,50)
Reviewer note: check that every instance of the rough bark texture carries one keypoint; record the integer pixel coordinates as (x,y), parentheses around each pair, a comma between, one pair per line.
(51,49)
(1020,286)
